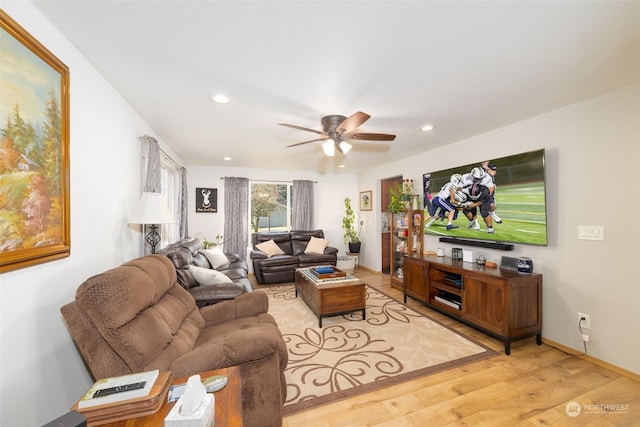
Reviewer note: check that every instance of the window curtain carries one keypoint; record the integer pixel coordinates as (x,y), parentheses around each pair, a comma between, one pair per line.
(152,184)
(183,225)
(302,205)
(236,216)
(153,180)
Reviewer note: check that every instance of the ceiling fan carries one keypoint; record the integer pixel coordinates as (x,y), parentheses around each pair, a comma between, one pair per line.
(337,130)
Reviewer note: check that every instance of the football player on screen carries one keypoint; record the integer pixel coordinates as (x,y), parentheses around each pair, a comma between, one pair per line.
(491,169)
(478,186)
(447,202)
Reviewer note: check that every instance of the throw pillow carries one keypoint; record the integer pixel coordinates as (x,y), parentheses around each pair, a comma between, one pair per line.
(207,276)
(270,248)
(316,245)
(215,256)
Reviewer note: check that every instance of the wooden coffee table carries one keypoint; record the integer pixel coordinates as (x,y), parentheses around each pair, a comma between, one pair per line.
(328,298)
(228,403)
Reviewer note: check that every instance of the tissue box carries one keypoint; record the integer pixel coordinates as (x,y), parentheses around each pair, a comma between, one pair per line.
(468,256)
(204,416)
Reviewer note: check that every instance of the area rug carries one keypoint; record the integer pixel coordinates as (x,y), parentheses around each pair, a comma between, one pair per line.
(350,356)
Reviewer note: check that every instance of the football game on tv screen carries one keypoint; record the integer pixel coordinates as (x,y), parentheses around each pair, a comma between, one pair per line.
(513,211)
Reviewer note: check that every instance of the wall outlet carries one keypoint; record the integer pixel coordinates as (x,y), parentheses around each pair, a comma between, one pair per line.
(585,320)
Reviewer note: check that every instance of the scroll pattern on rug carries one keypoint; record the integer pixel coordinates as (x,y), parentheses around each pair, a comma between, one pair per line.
(348,355)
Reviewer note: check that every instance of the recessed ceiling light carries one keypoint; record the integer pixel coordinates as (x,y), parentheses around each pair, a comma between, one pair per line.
(340,166)
(219,98)
(426,128)
(227,159)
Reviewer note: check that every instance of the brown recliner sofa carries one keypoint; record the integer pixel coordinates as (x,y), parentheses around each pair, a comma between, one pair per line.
(187,252)
(281,268)
(136,317)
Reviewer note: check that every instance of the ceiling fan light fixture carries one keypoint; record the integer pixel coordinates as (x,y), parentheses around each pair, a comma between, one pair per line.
(345,147)
(329,148)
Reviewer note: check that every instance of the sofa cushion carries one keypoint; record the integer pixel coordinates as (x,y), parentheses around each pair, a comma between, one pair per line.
(316,245)
(270,248)
(215,256)
(207,276)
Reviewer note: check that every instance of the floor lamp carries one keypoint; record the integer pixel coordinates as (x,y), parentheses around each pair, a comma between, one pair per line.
(152,210)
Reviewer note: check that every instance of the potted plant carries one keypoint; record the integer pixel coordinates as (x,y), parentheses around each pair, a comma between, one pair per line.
(397,199)
(351,236)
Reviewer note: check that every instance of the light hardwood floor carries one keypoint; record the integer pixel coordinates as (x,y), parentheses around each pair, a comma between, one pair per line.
(531,387)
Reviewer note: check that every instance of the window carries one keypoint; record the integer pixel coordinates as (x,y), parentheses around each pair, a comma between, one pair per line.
(270,206)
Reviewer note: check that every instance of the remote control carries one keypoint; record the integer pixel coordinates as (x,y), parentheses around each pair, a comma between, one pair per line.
(119,389)
(214,383)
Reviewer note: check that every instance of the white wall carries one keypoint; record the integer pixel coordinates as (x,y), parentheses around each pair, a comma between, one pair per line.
(592,163)
(329,191)
(105,154)
(592,151)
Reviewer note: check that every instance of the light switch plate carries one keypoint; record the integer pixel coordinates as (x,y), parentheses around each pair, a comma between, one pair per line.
(591,232)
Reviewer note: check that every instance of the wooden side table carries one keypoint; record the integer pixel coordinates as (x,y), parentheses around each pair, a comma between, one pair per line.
(228,403)
(356,259)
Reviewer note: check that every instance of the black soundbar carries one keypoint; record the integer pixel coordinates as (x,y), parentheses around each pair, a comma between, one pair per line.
(479,243)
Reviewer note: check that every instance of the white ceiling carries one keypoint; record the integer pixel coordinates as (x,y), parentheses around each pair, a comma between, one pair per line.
(465,67)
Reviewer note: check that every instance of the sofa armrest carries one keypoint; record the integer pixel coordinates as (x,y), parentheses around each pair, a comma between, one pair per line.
(257,254)
(243,346)
(245,305)
(330,250)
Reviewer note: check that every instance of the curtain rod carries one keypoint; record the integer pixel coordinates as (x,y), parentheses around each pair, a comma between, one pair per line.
(148,139)
(266,180)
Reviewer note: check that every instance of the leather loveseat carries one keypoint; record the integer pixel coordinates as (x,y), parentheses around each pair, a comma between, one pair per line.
(281,268)
(136,317)
(188,252)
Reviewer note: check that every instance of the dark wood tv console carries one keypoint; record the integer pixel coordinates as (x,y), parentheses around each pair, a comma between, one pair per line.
(502,303)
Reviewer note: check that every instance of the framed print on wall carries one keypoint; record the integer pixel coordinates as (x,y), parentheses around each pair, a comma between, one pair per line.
(206,200)
(34,165)
(365,200)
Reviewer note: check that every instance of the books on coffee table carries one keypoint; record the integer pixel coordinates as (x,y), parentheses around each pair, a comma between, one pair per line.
(327,272)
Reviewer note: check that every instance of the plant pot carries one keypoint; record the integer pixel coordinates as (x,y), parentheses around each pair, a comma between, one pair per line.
(354,248)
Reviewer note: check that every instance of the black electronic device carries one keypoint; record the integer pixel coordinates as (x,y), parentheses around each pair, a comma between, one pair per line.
(70,419)
(479,243)
(119,389)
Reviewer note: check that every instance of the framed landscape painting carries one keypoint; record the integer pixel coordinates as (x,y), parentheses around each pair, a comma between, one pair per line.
(34,151)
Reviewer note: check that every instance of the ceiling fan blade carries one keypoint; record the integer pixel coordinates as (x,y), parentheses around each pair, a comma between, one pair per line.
(306,142)
(369,136)
(352,122)
(302,128)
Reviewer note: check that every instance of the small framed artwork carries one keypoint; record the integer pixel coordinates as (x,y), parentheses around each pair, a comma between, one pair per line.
(365,200)
(206,200)
(34,164)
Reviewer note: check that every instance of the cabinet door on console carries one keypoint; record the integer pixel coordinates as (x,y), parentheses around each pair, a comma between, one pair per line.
(415,279)
(486,303)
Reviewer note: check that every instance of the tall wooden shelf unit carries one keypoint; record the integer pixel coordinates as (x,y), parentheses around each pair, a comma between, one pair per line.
(406,239)
(502,303)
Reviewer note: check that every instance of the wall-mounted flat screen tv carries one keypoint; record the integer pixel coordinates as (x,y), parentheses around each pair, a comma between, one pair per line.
(518,214)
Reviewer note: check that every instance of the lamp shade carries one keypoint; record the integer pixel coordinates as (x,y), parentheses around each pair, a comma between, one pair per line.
(152,209)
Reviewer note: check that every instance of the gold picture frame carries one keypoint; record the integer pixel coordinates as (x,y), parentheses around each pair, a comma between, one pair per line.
(366,200)
(34,166)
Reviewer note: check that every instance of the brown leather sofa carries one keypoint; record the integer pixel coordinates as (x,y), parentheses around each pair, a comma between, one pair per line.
(136,317)
(281,268)
(187,252)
